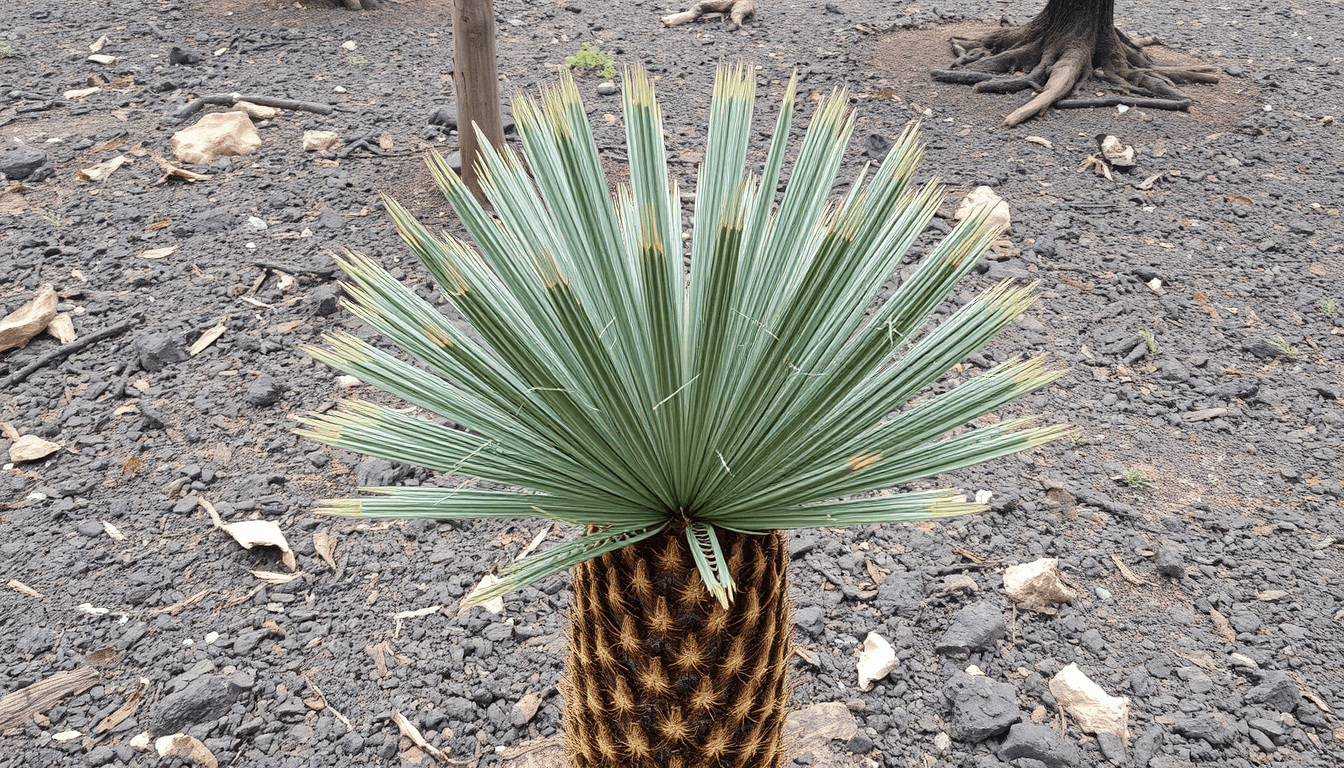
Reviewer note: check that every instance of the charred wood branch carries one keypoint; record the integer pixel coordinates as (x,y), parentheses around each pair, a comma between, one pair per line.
(229,99)
(1126,101)
(63,350)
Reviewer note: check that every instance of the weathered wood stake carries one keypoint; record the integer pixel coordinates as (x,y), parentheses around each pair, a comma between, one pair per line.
(475,83)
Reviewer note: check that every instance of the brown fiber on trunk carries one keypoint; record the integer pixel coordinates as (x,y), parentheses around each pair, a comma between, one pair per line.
(661,675)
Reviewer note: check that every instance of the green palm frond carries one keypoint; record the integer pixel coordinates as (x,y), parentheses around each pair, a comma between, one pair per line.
(765,386)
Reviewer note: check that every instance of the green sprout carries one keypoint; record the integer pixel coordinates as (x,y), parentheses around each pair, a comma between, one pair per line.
(1135,478)
(1149,340)
(358,61)
(1328,307)
(54,219)
(5,51)
(1077,438)
(590,58)
(1282,346)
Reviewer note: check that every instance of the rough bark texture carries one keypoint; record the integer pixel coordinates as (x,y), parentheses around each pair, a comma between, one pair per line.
(662,676)
(1069,42)
(476,85)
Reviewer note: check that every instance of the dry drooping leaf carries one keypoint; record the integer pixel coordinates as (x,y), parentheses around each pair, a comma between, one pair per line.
(111,530)
(250,533)
(271,577)
(208,338)
(31,448)
(19,586)
(21,325)
(170,171)
(159,253)
(125,710)
(493,605)
(416,614)
(324,544)
(413,733)
(62,328)
(102,170)
(8,430)
(1043,142)
(1224,627)
(186,747)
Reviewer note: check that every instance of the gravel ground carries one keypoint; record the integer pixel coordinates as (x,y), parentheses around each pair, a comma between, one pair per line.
(1197,512)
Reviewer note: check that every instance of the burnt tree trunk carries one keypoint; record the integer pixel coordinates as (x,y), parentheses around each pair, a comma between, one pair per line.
(475,85)
(1069,42)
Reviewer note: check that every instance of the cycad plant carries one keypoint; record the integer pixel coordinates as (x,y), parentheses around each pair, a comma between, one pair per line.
(680,410)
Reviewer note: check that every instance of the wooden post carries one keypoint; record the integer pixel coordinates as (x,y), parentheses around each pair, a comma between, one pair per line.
(475,83)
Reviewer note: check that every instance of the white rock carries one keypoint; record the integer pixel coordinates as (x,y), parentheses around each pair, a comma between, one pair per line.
(257,223)
(317,140)
(348,45)
(876,660)
(103,58)
(139,741)
(64,736)
(1085,701)
(216,135)
(982,197)
(186,747)
(1120,155)
(211,637)
(21,325)
(347,382)
(942,741)
(254,111)
(31,448)
(1036,584)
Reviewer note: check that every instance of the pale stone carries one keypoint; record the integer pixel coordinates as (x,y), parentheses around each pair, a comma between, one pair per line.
(317,140)
(63,328)
(21,325)
(876,660)
(1036,584)
(1094,710)
(31,448)
(984,197)
(220,134)
(255,111)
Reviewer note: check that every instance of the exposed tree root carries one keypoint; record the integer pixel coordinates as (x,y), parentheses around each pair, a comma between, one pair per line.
(738,11)
(1065,50)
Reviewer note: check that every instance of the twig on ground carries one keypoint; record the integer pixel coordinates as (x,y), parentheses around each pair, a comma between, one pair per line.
(318,271)
(62,351)
(230,99)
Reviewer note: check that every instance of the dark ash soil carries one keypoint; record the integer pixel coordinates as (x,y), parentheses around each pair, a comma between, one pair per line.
(1228,646)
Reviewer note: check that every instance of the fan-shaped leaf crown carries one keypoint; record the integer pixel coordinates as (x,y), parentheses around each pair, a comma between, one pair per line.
(767,385)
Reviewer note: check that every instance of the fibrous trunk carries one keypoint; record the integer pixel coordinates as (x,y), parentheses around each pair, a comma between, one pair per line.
(661,675)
